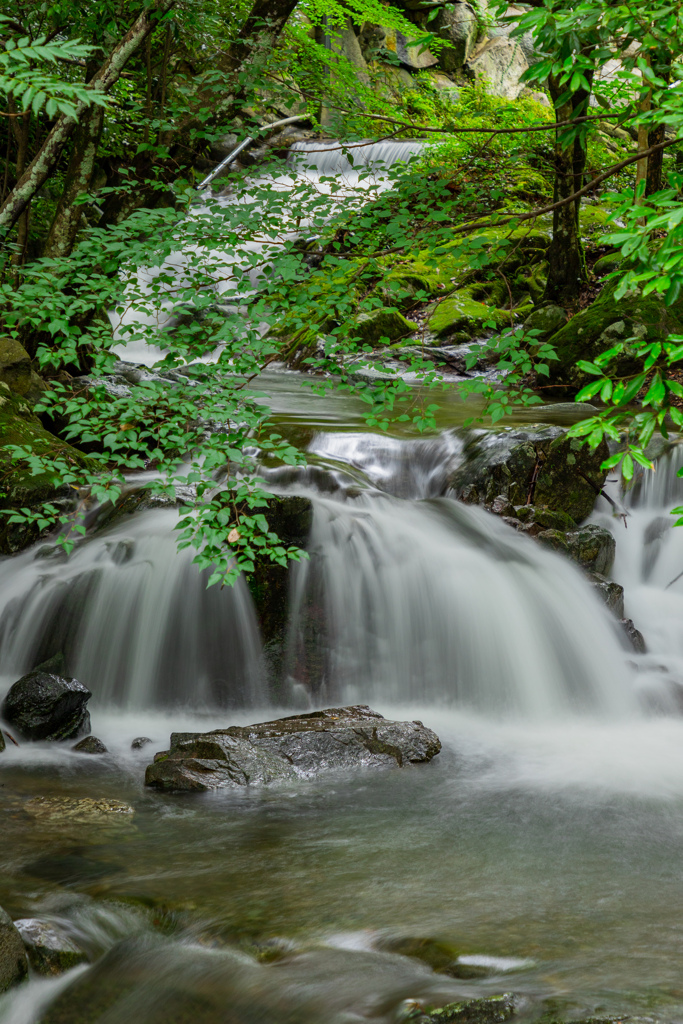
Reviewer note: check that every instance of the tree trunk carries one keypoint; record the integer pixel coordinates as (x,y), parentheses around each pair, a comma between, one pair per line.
(567,263)
(44,163)
(79,174)
(655,162)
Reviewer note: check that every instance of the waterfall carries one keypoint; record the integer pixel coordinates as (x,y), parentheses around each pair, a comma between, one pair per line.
(437,602)
(133,619)
(344,159)
(648,562)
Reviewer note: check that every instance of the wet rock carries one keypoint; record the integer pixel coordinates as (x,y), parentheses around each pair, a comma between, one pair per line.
(50,950)
(609,591)
(2,741)
(17,372)
(544,517)
(593,547)
(441,956)
(291,518)
(502,506)
(543,467)
(13,962)
(298,747)
(46,706)
(634,636)
(90,745)
(492,1010)
(139,742)
(65,809)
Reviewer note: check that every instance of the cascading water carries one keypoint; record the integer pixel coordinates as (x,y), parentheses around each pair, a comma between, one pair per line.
(435,602)
(133,619)
(649,565)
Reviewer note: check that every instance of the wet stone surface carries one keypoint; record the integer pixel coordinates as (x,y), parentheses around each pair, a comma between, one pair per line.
(297,747)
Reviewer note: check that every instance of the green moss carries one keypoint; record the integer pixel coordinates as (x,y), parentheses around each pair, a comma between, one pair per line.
(461,312)
(382,325)
(607,322)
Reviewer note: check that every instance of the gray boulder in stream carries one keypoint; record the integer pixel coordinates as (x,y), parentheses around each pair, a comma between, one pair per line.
(298,747)
(46,706)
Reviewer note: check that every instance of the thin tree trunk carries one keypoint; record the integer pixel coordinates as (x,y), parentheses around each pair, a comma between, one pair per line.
(567,263)
(44,162)
(655,162)
(68,216)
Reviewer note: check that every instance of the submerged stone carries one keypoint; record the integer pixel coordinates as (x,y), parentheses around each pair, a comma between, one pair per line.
(491,1010)
(297,747)
(50,950)
(87,811)
(46,706)
(13,962)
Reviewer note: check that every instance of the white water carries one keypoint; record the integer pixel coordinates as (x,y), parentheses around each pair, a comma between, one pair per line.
(134,620)
(436,602)
(649,558)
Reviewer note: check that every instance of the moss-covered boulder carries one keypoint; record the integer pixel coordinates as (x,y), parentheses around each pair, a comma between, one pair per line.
(542,467)
(461,313)
(19,487)
(382,325)
(50,950)
(592,547)
(546,320)
(604,324)
(17,372)
(490,1010)
(13,962)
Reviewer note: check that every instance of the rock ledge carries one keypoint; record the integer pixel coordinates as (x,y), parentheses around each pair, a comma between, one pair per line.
(297,747)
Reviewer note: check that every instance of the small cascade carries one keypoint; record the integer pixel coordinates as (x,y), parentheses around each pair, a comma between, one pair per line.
(347,160)
(133,619)
(649,565)
(436,602)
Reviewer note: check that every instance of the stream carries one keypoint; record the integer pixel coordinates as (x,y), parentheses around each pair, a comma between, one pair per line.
(541,846)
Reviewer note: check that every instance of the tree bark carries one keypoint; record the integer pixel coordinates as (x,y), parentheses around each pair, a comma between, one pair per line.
(567,263)
(655,161)
(45,161)
(67,219)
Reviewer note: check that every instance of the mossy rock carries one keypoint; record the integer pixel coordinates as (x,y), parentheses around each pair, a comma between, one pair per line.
(19,488)
(606,322)
(17,372)
(542,466)
(593,220)
(460,312)
(607,264)
(382,325)
(546,319)
(491,1010)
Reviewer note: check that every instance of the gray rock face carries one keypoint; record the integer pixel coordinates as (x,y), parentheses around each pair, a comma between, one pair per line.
(299,747)
(45,706)
(461,28)
(634,636)
(50,950)
(501,64)
(13,963)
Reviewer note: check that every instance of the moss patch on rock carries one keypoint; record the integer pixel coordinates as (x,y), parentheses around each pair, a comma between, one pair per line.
(382,325)
(462,313)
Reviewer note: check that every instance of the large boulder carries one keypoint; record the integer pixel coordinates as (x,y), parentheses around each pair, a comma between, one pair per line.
(592,547)
(297,747)
(13,962)
(542,466)
(46,706)
(16,370)
(21,488)
(606,323)
(461,26)
(50,950)
(462,314)
(499,65)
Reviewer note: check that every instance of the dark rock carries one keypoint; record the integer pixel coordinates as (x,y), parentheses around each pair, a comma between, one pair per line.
(17,372)
(13,962)
(290,517)
(543,467)
(44,706)
(609,591)
(50,950)
(2,741)
(90,745)
(139,742)
(544,517)
(546,319)
(301,746)
(502,506)
(634,636)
